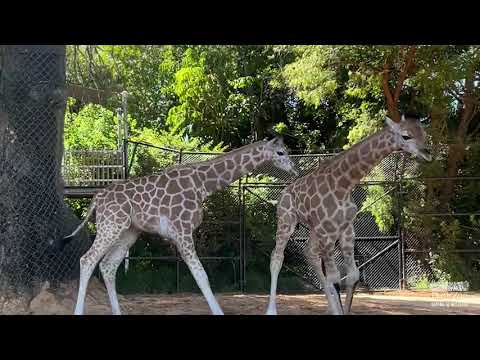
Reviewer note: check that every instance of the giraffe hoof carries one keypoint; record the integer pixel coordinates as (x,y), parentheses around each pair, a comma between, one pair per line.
(271,311)
(337,288)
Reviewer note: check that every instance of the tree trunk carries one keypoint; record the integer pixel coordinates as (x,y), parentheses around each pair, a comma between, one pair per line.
(392,96)
(456,151)
(32,211)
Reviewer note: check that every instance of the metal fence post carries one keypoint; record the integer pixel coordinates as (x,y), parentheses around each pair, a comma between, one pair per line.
(119,128)
(180,156)
(240,242)
(242,262)
(124,95)
(125,159)
(401,245)
(123,112)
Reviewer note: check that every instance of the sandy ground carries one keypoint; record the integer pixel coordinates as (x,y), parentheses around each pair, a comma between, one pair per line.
(379,303)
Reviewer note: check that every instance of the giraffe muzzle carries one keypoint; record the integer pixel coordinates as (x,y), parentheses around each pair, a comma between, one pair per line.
(425,154)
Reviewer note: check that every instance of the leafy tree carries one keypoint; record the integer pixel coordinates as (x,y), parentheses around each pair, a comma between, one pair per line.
(317,97)
(92,127)
(440,81)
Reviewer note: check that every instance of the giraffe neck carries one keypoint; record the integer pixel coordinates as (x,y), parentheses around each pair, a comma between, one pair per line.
(352,165)
(218,173)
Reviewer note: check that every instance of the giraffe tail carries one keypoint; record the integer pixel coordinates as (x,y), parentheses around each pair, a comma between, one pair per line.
(68,238)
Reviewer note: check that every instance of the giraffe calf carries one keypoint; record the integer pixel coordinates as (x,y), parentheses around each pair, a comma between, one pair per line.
(322,201)
(168,204)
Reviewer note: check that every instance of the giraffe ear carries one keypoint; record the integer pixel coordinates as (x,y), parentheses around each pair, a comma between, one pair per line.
(392,124)
(275,141)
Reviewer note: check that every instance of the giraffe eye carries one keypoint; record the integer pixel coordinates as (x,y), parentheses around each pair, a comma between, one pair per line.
(279,153)
(406,137)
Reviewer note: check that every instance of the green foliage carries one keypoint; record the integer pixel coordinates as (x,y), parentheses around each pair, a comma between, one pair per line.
(216,98)
(80,207)
(380,204)
(141,280)
(145,71)
(310,76)
(149,159)
(95,127)
(327,78)
(92,127)
(365,125)
(349,78)
(280,128)
(223,93)
(422,283)
(199,95)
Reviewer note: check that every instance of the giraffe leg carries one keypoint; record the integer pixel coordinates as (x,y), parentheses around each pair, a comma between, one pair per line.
(332,284)
(107,234)
(187,251)
(287,220)
(88,262)
(111,262)
(353,275)
(319,253)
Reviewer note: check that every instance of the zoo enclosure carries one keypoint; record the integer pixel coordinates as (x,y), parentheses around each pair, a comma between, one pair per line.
(390,258)
(29,82)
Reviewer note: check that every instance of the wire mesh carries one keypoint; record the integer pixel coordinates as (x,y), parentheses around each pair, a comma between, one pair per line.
(377,251)
(370,240)
(189,157)
(31,207)
(389,255)
(235,229)
(154,264)
(228,249)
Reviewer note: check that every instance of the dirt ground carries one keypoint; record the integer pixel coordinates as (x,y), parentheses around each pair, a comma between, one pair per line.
(62,301)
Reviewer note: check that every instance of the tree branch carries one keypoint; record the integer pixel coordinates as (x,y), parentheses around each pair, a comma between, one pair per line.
(81,77)
(468,110)
(90,65)
(407,66)
(477,128)
(391,105)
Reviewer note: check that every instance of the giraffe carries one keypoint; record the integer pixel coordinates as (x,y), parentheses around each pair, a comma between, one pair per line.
(321,200)
(168,204)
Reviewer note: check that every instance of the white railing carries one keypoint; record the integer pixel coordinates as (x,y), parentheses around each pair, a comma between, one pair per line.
(92,168)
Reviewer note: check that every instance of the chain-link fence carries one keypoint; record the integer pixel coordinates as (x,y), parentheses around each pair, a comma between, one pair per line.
(32,212)
(154,266)
(238,232)
(395,231)
(427,225)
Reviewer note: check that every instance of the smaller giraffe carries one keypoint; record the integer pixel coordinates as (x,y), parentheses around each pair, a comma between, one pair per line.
(168,204)
(322,201)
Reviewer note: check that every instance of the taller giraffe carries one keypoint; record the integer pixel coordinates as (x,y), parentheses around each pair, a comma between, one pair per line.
(322,201)
(168,204)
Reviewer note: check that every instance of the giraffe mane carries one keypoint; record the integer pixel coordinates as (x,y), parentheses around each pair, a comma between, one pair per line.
(197,163)
(229,153)
(325,164)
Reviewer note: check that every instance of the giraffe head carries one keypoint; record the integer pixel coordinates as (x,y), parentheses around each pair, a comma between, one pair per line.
(277,151)
(410,136)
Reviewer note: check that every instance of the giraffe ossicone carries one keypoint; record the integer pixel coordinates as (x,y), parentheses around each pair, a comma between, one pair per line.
(168,204)
(322,201)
